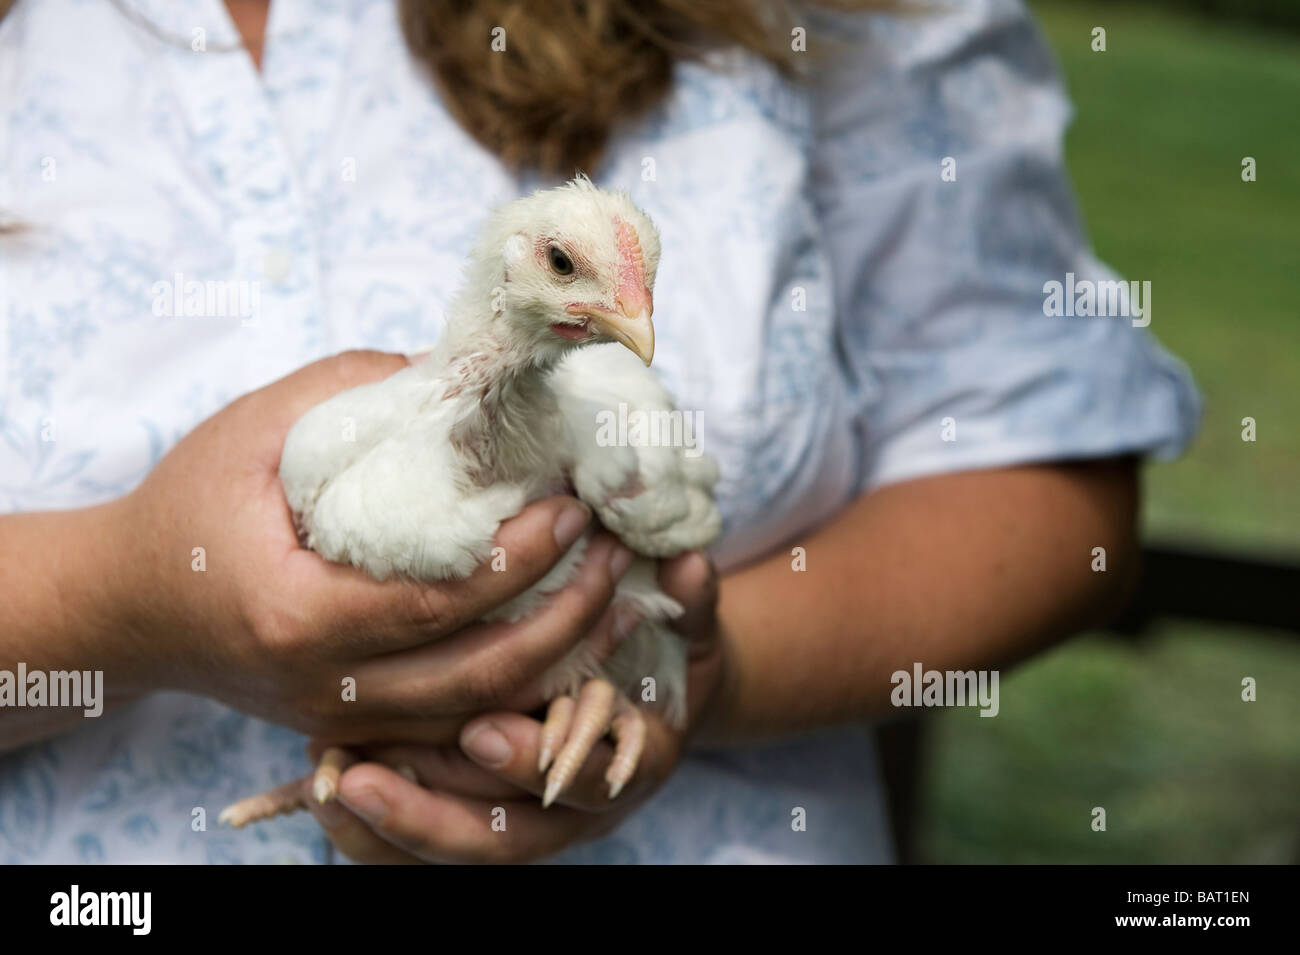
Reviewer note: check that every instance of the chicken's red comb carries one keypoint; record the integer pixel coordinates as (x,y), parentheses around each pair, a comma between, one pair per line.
(631,266)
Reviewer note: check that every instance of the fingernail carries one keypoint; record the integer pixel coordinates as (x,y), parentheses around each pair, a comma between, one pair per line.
(698,562)
(366,803)
(487,745)
(573,520)
(619,561)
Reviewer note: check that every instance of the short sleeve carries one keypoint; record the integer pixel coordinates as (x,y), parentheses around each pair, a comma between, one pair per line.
(939,179)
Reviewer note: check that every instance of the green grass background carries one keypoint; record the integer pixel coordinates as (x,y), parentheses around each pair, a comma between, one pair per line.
(1156,732)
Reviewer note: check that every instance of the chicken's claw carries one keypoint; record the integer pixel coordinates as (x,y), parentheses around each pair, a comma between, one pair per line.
(559,717)
(599,709)
(628,730)
(325,781)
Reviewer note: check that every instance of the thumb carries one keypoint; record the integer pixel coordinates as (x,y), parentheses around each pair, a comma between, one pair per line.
(692,581)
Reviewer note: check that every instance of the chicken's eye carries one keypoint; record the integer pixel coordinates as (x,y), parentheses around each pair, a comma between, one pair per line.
(560,263)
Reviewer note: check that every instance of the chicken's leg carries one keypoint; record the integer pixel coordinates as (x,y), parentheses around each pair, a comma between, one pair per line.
(288,798)
(600,709)
(628,730)
(325,782)
(278,801)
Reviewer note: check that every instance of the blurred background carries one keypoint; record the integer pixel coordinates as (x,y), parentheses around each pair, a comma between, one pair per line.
(1155,729)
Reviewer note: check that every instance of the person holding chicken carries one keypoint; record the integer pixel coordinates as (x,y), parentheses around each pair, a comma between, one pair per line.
(914,462)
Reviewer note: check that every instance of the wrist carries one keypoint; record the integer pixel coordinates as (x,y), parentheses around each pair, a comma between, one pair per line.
(110,587)
(61,617)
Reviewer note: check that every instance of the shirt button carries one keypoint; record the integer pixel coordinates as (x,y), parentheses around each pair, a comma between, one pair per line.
(276,265)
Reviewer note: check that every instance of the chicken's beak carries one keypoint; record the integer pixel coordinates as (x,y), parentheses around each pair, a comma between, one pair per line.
(629,324)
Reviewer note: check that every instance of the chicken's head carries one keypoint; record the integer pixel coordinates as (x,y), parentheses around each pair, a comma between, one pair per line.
(578,264)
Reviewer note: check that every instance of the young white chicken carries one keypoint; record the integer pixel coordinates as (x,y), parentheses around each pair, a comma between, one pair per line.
(412,475)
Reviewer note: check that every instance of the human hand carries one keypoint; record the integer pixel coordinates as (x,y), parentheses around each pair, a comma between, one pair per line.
(274,629)
(410,803)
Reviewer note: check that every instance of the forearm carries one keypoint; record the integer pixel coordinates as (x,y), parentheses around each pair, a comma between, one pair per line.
(62,576)
(961,571)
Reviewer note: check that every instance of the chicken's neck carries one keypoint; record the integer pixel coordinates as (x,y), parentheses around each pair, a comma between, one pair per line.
(506,423)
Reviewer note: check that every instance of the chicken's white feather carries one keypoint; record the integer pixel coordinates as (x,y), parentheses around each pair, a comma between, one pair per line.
(414,474)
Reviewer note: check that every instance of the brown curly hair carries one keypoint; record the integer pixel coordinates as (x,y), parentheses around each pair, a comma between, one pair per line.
(571,71)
